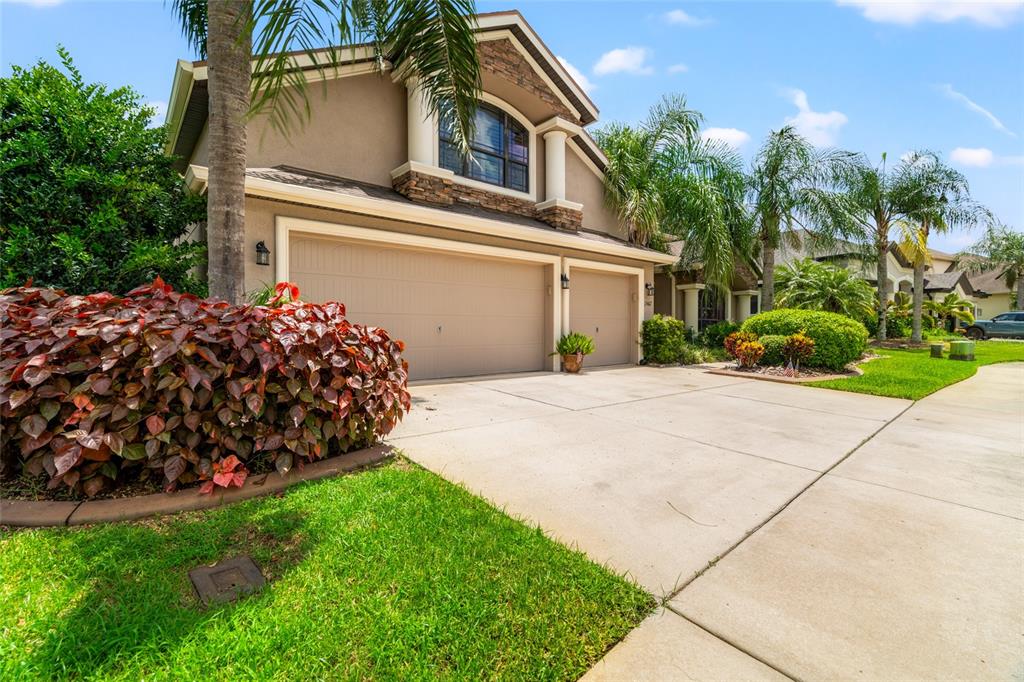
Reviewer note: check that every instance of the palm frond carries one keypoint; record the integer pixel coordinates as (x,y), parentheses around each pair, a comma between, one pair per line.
(192,16)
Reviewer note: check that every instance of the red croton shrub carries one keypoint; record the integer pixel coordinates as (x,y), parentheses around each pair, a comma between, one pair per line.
(101,390)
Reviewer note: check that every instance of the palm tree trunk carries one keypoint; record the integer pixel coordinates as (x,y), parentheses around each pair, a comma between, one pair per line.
(229,49)
(915,322)
(882,274)
(915,334)
(767,276)
(1020,291)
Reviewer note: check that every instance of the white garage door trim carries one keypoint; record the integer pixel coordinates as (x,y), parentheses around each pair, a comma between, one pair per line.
(284,225)
(638,273)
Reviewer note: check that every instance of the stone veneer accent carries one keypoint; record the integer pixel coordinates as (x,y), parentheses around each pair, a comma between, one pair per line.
(501,58)
(429,189)
(563,218)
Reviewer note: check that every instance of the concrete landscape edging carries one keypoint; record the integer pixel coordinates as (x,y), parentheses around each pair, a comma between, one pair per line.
(855,371)
(38,514)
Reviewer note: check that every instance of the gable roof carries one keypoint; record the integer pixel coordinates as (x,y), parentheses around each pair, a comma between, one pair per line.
(947,281)
(188,105)
(989,282)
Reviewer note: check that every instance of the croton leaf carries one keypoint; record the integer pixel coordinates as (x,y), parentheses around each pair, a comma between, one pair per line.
(33,425)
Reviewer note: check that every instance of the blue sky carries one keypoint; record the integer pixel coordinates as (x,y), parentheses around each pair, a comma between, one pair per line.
(867,76)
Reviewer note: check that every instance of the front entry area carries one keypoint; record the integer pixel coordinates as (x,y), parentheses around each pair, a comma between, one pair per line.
(458,315)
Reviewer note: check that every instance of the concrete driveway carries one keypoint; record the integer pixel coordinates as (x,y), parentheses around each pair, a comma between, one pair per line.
(771,548)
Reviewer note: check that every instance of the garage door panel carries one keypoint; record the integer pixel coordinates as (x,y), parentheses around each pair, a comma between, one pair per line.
(458,315)
(600,307)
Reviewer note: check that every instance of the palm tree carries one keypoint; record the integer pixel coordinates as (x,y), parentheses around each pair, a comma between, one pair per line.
(662,178)
(946,203)
(872,202)
(1000,249)
(811,285)
(788,176)
(250,49)
(953,306)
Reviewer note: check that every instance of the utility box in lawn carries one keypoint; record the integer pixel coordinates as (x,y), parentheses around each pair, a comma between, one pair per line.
(961,350)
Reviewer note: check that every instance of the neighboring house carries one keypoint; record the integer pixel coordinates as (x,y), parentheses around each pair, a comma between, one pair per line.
(681,292)
(478,267)
(987,292)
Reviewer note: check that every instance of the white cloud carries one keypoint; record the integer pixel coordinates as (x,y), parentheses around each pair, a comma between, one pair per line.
(734,137)
(159,112)
(992,13)
(949,92)
(631,60)
(982,157)
(36,3)
(678,68)
(577,75)
(967,156)
(821,128)
(681,18)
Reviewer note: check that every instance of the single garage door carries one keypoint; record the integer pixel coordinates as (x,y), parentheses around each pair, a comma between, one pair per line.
(458,315)
(599,306)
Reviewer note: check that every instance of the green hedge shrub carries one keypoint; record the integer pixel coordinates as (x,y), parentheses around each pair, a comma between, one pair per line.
(838,339)
(714,335)
(773,345)
(663,339)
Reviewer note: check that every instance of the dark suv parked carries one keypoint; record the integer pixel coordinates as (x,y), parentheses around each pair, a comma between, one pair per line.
(1004,325)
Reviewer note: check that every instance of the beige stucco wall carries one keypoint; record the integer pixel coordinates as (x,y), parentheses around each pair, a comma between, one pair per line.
(201,154)
(356,130)
(584,186)
(993,305)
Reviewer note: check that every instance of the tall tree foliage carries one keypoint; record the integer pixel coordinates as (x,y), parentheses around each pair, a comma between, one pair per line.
(88,200)
(1002,250)
(431,41)
(789,186)
(873,201)
(663,179)
(945,204)
(811,285)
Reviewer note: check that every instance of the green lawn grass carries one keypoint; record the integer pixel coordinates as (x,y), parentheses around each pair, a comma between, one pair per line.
(392,573)
(914,374)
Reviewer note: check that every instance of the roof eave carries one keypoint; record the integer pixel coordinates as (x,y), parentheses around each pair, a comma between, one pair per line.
(427,215)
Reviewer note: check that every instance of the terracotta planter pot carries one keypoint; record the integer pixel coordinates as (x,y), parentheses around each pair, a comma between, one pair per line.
(572,363)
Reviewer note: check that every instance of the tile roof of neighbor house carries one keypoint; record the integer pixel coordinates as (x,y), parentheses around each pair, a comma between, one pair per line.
(805,248)
(990,282)
(947,281)
(299,177)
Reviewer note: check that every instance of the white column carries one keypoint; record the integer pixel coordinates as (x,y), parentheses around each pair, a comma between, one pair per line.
(420,125)
(691,305)
(554,164)
(728,305)
(744,307)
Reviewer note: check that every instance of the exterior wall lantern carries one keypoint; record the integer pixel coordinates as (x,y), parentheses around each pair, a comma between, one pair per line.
(565,281)
(649,288)
(262,253)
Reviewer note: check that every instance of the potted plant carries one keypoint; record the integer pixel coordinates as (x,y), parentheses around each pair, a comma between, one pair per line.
(572,347)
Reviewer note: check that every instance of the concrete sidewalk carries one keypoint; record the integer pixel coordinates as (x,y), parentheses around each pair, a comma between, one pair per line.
(905,561)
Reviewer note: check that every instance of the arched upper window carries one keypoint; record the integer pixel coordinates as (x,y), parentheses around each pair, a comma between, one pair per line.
(500,150)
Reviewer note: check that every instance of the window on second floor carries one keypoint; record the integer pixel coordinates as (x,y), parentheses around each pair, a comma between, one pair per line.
(500,150)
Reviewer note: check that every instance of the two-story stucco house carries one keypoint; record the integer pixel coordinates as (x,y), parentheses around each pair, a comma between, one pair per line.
(479,267)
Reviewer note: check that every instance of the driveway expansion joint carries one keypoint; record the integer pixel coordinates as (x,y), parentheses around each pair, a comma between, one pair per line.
(927,497)
(734,645)
(785,506)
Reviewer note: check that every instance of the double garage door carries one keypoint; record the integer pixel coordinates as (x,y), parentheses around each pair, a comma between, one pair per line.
(458,315)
